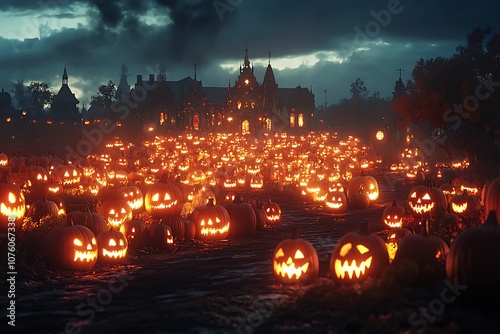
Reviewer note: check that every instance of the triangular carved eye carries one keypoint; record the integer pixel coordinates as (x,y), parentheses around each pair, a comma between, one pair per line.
(426,197)
(345,249)
(122,243)
(279,253)
(298,255)
(167,197)
(112,242)
(78,242)
(413,195)
(362,249)
(392,236)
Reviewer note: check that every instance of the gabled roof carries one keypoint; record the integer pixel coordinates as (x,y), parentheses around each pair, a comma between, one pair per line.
(269,76)
(65,96)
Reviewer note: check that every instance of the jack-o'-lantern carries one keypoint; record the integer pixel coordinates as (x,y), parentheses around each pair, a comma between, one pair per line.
(12,203)
(392,216)
(423,200)
(92,220)
(115,212)
(71,247)
(42,208)
(133,230)
(295,261)
(358,256)
(448,189)
(38,174)
(257,181)
(243,219)
(474,257)
(211,221)
(367,184)
(427,251)
(394,238)
(272,211)
(61,206)
(336,201)
(160,236)
(465,205)
(133,196)
(112,246)
(4,161)
(163,199)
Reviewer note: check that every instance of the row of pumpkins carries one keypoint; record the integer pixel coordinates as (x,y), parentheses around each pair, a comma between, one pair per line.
(473,258)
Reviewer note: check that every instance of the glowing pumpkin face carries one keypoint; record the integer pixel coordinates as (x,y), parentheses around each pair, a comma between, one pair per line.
(133,230)
(133,196)
(112,246)
(356,257)
(212,221)
(392,216)
(336,202)
(115,212)
(163,199)
(465,205)
(366,184)
(12,203)
(424,200)
(295,261)
(273,212)
(72,247)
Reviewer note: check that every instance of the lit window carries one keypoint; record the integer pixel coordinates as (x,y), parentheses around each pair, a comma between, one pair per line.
(245,127)
(300,120)
(268,124)
(196,122)
(247,81)
(292,120)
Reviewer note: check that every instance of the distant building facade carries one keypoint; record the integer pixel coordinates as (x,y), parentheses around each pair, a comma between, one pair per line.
(64,108)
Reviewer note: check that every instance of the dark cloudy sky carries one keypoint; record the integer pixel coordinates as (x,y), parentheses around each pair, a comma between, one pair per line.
(313,43)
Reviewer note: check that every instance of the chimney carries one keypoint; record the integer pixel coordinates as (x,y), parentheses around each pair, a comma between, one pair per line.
(139,79)
(151,78)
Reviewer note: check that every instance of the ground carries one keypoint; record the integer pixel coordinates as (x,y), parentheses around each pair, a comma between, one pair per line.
(228,287)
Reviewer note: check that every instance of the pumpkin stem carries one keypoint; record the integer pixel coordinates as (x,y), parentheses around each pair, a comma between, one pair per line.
(394,204)
(210,202)
(69,222)
(492,220)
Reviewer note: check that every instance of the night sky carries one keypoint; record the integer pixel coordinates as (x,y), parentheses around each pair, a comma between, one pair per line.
(325,45)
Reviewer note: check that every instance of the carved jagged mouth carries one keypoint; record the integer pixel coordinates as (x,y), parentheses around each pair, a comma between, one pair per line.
(274,218)
(459,208)
(17,212)
(162,206)
(115,221)
(373,196)
(421,208)
(256,185)
(170,241)
(352,270)
(136,204)
(85,256)
(214,231)
(393,224)
(115,254)
(71,181)
(334,205)
(289,270)
(392,249)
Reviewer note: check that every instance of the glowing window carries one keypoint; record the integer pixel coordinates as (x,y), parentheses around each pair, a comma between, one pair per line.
(300,120)
(292,120)
(268,124)
(196,122)
(245,127)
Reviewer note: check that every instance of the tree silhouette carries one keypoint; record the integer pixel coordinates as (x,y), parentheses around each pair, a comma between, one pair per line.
(104,97)
(40,97)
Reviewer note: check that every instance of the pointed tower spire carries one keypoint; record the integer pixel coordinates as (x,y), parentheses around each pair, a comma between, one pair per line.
(247,62)
(269,54)
(195,82)
(65,76)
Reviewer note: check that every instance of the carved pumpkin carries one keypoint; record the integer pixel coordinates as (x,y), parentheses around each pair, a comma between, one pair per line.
(358,256)
(189,230)
(133,230)
(71,247)
(177,226)
(163,199)
(423,200)
(392,216)
(464,205)
(272,211)
(474,257)
(92,220)
(61,206)
(115,212)
(295,261)
(133,196)
(336,201)
(394,238)
(160,236)
(366,184)
(427,251)
(39,209)
(112,246)
(243,219)
(12,203)
(211,221)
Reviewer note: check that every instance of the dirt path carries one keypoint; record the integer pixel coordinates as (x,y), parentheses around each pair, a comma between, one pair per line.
(223,287)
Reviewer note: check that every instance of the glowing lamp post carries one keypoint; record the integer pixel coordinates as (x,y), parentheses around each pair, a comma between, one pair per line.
(380,135)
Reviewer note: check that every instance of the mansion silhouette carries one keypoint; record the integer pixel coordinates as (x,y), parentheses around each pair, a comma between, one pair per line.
(247,106)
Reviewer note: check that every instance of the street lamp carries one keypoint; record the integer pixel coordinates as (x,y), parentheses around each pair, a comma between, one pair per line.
(379,135)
